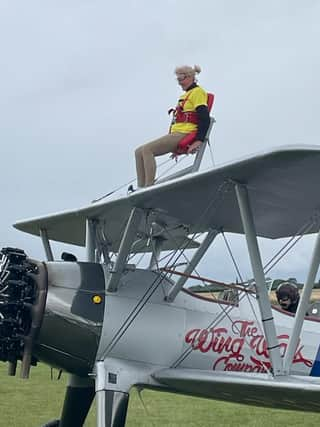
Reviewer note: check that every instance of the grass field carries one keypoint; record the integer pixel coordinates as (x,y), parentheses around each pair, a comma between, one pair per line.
(33,402)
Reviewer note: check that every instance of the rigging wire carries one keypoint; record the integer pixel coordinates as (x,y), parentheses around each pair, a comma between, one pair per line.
(154,285)
(225,312)
(140,259)
(165,256)
(280,254)
(134,312)
(289,245)
(301,233)
(211,153)
(280,258)
(304,229)
(231,255)
(214,202)
(215,322)
(125,185)
(176,162)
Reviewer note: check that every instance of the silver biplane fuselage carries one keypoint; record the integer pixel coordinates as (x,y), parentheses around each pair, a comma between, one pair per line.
(113,326)
(194,332)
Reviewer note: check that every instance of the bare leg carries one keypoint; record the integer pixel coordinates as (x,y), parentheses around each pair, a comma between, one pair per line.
(145,156)
(150,165)
(141,178)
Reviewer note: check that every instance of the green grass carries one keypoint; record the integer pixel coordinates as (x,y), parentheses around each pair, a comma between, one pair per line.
(33,402)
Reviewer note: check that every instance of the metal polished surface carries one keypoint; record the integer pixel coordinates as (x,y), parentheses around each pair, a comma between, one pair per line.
(115,406)
(72,322)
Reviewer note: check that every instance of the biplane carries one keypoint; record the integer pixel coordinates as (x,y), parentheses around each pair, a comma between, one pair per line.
(113,325)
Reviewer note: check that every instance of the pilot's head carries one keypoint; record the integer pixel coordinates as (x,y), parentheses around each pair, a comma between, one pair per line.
(287,295)
(66,256)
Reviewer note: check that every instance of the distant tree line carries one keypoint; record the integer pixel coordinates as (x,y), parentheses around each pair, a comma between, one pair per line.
(271,284)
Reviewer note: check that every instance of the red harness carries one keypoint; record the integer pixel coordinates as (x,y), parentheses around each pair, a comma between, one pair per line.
(185,116)
(181,116)
(191,117)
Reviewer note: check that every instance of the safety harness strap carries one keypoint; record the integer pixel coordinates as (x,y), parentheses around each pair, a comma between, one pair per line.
(186,141)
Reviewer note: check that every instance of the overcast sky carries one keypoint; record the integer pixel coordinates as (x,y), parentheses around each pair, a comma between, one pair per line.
(85,82)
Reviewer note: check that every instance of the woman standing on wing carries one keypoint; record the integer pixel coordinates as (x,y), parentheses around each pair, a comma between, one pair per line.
(191,114)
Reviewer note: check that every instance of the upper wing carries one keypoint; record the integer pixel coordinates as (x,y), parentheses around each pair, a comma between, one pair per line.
(282,185)
(286,392)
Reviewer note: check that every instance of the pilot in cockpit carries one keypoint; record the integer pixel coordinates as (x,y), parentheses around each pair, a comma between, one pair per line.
(288,296)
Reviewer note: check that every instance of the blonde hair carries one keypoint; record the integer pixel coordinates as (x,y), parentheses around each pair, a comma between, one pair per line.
(188,70)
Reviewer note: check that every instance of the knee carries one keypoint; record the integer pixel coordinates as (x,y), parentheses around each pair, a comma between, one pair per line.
(143,151)
(146,150)
(138,152)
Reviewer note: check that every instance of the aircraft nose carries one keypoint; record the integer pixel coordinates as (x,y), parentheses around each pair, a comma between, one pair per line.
(22,298)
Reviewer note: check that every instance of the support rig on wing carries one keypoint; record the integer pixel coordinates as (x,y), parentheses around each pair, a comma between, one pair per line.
(22,302)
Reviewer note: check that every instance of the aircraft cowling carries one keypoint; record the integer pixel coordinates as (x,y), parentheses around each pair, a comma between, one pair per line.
(72,321)
(50,312)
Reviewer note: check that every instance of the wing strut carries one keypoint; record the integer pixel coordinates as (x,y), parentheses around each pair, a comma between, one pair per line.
(157,243)
(192,264)
(91,225)
(302,308)
(125,246)
(257,268)
(46,244)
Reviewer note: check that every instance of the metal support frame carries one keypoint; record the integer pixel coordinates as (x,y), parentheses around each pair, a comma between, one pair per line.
(302,308)
(46,244)
(257,268)
(197,161)
(102,245)
(157,244)
(125,245)
(91,239)
(200,152)
(111,408)
(112,398)
(192,264)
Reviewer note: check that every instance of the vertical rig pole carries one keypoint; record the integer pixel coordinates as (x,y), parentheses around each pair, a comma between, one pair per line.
(46,244)
(302,308)
(257,268)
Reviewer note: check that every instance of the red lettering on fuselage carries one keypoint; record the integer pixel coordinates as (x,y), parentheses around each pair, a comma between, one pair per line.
(231,345)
